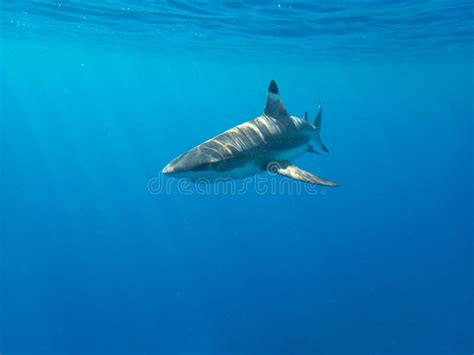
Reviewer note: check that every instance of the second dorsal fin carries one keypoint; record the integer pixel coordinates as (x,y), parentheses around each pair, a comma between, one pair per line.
(274,106)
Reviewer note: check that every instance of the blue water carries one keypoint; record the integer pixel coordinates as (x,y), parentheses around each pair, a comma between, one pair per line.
(96,97)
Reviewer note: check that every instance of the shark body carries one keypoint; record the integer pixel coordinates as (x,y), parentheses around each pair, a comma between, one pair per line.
(267,143)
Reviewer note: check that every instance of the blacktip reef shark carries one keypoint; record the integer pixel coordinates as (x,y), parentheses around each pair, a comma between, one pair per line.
(267,143)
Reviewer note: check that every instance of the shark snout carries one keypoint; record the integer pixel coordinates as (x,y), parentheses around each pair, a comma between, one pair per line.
(168,169)
(181,164)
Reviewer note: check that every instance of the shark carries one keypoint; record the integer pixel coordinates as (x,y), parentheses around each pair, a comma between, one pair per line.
(268,143)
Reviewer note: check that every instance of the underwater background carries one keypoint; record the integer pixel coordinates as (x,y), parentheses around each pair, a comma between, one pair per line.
(95,99)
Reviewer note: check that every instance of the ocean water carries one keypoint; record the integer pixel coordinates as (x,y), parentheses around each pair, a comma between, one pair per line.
(99,253)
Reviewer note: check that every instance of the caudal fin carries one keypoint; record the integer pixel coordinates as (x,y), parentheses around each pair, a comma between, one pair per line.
(317,127)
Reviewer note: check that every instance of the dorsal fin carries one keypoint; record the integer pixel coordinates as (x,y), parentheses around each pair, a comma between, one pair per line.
(274,106)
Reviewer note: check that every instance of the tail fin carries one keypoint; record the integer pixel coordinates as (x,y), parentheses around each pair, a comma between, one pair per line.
(317,127)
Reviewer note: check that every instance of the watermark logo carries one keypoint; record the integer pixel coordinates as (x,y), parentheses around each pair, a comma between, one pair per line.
(273,168)
(260,184)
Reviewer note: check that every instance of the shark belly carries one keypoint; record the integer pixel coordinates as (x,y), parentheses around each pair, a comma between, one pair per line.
(255,163)
(291,153)
(233,171)
(245,165)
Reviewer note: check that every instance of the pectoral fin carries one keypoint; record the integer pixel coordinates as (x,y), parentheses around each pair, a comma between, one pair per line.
(287,169)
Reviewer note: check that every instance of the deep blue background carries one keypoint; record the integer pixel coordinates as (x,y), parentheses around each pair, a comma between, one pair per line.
(91,261)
